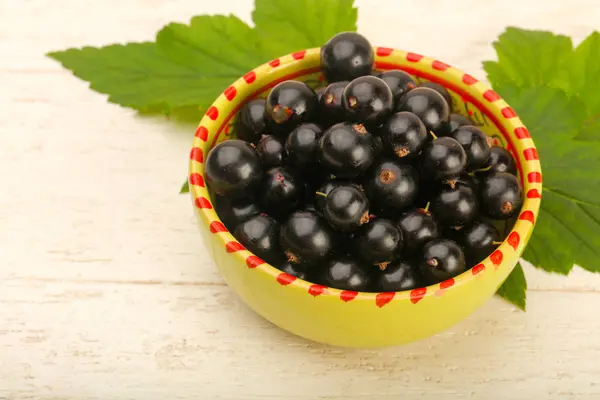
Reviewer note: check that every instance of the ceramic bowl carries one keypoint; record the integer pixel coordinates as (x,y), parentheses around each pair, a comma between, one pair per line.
(356,319)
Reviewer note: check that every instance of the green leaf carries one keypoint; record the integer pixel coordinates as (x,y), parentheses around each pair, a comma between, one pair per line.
(568,227)
(295,25)
(185,188)
(514,288)
(528,58)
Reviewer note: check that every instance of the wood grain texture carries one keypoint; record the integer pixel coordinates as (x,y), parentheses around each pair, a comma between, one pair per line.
(105,288)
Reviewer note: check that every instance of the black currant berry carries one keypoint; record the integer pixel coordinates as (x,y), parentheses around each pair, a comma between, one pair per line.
(302,145)
(344,273)
(428,105)
(271,151)
(260,235)
(391,187)
(367,100)
(440,89)
(299,271)
(418,227)
(501,196)
(478,241)
(234,211)
(404,134)
(331,109)
(500,161)
(306,238)
(347,150)
(398,81)
(397,277)
(378,242)
(455,206)
(469,180)
(251,121)
(346,208)
(325,189)
(280,192)
(233,168)
(458,120)
(441,259)
(289,104)
(319,91)
(475,143)
(377,146)
(443,158)
(346,56)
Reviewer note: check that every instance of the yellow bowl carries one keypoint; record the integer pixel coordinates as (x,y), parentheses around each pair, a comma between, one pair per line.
(357,319)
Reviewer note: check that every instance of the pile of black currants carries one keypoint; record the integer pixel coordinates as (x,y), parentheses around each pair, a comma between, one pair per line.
(368,184)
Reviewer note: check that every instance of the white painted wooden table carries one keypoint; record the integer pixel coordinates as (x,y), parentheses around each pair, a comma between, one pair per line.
(106,291)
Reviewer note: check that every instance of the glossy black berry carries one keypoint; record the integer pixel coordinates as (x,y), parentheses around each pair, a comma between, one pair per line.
(271,151)
(418,227)
(476,146)
(428,105)
(281,192)
(251,121)
(346,150)
(397,277)
(233,169)
(404,134)
(455,205)
(306,238)
(443,158)
(345,273)
(367,100)
(325,189)
(501,195)
(377,146)
(331,109)
(500,161)
(398,81)
(346,56)
(260,235)
(440,89)
(346,208)
(299,271)
(289,104)
(441,259)
(478,241)
(378,242)
(233,211)
(469,180)
(302,145)
(391,187)
(319,91)
(458,120)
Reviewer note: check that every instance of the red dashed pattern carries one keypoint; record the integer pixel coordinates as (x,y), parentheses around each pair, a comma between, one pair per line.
(196,154)
(384,51)
(203,202)
(299,55)
(253,261)
(383,298)
(285,279)
(478,269)
(233,246)
(440,66)
(196,179)
(514,239)
(250,77)
(490,95)
(469,80)
(527,216)
(531,154)
(275,63)
(213,113)
(534,194)
(417,294)
(348,295)
(202,133)
(508,112)
(316,290)
(217,226)
(230,93)
(497,258)
(447,284)
(413,57)
(534,177)
(522,133)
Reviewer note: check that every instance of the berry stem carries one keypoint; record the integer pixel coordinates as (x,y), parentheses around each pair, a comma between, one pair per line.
(433,135)
(483,169)
(427,206)
(496,243)
(321,194)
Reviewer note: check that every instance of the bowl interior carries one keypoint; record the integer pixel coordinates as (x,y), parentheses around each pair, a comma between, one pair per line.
(471,98)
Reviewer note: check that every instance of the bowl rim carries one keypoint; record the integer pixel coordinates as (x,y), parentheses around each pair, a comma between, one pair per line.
(481,96)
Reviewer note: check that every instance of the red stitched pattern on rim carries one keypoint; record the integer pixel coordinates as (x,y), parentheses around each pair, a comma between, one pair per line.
(230,93)
(253,261)
(217,226)
(203,202)
(417,294)
(202,133)
(196,179)
(514,239)
(250,77)
(384,51)
(490,95)
(413,57)
(534,177)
